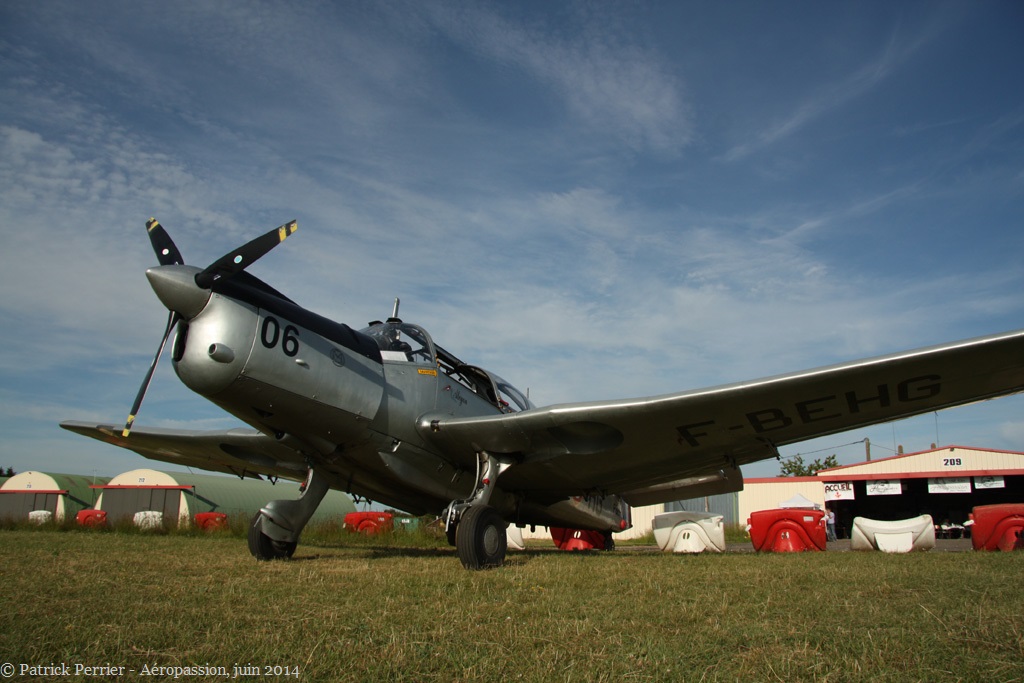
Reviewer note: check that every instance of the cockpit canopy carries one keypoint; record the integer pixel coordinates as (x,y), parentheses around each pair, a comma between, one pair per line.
(406,343)
(402,342)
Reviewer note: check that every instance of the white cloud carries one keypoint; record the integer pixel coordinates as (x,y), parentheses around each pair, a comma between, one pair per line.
(610,84)
(824,98)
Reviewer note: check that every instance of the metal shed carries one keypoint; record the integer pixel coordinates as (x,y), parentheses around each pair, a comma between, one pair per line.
(62,495)
(179,496)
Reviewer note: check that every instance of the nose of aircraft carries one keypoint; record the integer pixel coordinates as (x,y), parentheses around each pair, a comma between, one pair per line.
(176,287)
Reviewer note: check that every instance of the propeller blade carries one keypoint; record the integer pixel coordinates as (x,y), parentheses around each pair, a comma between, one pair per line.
(166,251)
(172,320)
(238,260)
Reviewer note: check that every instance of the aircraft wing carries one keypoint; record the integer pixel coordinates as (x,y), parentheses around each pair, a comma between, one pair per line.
(241,452)
(678,446)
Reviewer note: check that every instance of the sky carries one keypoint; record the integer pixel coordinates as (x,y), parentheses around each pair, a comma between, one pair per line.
(593,200)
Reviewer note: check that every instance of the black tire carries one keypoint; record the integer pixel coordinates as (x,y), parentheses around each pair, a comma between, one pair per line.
(480,538)
(263,547)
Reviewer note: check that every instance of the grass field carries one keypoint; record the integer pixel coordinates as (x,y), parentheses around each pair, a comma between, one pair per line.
(375,612)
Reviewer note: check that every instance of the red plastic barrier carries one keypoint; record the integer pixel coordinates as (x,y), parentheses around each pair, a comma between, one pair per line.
(369,523)
(577,539)
(998,527)
(787,530)
(208,521)
(92,518)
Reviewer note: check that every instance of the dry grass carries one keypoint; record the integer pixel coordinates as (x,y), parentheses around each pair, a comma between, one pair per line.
(371,612)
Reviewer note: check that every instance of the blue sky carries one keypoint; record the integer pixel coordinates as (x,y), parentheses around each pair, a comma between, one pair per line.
(593,200)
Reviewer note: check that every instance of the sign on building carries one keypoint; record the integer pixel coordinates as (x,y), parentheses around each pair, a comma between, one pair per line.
(950,485)
(884,487)
(839,490)
(995,482)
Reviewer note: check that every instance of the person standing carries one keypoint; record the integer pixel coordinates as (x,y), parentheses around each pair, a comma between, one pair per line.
(830,524)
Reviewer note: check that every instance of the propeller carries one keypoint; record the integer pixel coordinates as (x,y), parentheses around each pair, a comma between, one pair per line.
(225,267)
(172,320)
(166,252)
(238,260)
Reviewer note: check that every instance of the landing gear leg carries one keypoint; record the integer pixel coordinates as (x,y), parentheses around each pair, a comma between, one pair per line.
(475,528)
(275,529)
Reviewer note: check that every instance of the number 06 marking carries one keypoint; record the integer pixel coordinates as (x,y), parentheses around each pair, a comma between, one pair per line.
(270,334)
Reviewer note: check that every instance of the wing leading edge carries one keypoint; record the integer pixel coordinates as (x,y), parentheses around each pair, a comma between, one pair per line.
(654,449)
(242,452)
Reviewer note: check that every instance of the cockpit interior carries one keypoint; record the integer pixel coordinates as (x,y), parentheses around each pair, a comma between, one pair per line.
(402,342)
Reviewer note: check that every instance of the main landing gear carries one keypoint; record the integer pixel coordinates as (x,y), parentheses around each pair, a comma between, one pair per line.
(475,528)
(275,529)
(263,547)
(480,538)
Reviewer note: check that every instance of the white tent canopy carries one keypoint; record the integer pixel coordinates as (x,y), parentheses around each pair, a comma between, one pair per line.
(799,501)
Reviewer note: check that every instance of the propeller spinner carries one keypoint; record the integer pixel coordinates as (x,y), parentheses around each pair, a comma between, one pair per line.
(184,290)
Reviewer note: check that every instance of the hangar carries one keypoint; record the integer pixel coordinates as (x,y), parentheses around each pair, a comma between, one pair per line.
(179,496)
(62,495)
(946,483)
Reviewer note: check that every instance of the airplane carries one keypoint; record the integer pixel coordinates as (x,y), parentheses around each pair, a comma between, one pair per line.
(385,413)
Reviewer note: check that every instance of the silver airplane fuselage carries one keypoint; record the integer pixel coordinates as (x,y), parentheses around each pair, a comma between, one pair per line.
(354,406)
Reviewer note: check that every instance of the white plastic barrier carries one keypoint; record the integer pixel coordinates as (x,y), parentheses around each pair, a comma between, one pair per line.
(514,536)
(689,532)
(900,536)
(148,519)
(40,516)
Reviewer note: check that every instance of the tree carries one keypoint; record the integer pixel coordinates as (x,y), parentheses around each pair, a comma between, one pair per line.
(795,466)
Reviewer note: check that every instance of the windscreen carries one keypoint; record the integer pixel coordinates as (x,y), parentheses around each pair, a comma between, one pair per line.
(515,399)
(402,342)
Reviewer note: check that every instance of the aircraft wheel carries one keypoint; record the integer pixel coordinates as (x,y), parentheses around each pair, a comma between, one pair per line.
(263,547)
(451,533)
(480,538)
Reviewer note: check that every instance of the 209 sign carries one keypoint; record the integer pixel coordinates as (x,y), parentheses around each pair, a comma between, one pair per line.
(270,334)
